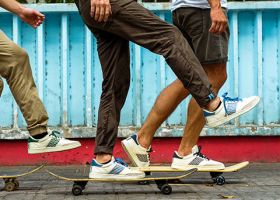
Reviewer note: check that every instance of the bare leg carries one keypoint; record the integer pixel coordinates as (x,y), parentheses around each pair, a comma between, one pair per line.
(196,121)
(165,104)
(169,99)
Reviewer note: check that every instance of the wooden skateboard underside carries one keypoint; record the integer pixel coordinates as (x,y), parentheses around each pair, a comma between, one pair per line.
(232,168)
(10,178)
(185,174)
(161,182)
(8,175)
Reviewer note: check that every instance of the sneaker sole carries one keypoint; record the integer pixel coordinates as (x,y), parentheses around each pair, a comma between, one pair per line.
(232,116)
(187,167)
(116,177)
(54,149)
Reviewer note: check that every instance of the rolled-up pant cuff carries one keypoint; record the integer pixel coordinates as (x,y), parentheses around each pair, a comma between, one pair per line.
(103,150)
(37,130)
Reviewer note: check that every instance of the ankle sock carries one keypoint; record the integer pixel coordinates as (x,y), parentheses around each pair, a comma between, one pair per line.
(105,162)
(40,136)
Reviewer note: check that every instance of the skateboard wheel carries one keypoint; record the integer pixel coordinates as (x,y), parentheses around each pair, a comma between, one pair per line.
(77,190)
(81,183)
(220,180)
(10,186)
(166,189)
(16,184)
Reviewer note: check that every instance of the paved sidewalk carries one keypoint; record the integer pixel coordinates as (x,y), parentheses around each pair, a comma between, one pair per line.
(258,181)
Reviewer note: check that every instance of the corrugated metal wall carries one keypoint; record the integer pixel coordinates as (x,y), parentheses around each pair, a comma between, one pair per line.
(67,72)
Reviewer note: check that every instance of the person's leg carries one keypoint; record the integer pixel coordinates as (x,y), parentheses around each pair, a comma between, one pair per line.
(133,22)
(195,24)
(195,120)
(115,61)
(137,145)
(15,68)
(167,102)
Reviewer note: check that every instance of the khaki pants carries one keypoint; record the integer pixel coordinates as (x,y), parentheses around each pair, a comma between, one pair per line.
(132,22)
(15,68)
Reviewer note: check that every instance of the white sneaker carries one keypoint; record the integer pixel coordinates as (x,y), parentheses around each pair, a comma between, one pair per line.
(50,143)
(195,160)
(138,155)
(229,109)
(115,169)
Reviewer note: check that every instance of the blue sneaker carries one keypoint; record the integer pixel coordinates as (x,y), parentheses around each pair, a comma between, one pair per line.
(115,169)
(229,109)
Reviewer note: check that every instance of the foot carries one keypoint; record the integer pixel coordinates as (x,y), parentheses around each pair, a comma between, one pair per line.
(51,143)
(195,160)
(115,170)
(138,155)
(229,109)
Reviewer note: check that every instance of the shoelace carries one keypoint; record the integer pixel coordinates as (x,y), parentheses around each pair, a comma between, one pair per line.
(149,151)
(56,134)
(199,154)
(229,99)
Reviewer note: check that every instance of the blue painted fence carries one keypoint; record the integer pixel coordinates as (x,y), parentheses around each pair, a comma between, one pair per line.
(67,72)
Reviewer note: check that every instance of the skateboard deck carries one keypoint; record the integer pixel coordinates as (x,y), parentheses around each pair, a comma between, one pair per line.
(216,175)
(10,178)
(162,182)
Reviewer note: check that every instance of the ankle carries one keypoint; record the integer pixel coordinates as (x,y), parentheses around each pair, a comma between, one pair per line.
(103,158)
(213,104)
(143,142)
(184,152)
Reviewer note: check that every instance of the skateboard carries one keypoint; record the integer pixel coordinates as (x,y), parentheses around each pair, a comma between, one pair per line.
(161,182)
(216,175)
(10,179)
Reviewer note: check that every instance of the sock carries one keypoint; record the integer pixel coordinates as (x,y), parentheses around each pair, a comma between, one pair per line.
(105,162)
(102,163)
(40,136)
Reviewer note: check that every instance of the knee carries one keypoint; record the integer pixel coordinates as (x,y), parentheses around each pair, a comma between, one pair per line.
(168,39)
(20,54)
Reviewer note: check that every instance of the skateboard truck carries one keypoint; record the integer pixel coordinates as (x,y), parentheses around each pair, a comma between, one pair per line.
(78,187)
(218,178)
(11,184)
